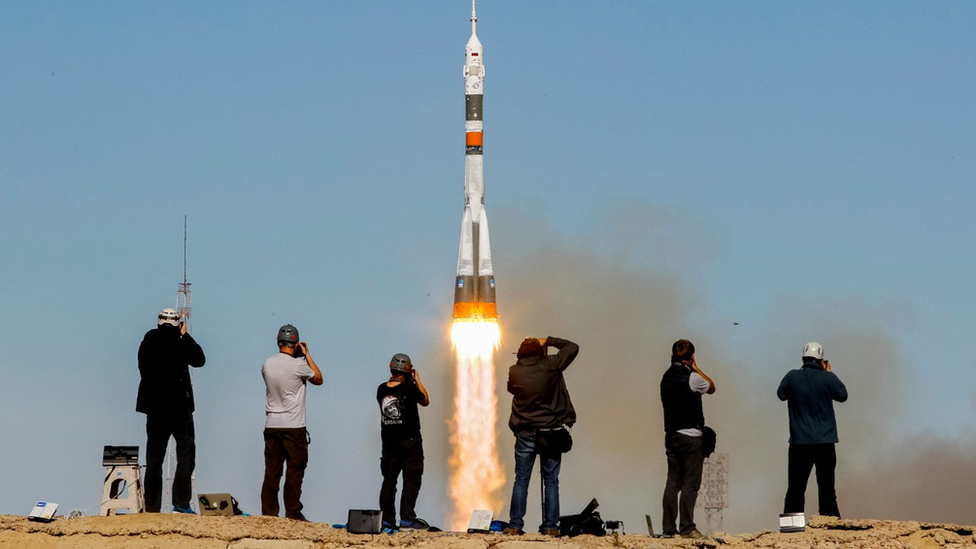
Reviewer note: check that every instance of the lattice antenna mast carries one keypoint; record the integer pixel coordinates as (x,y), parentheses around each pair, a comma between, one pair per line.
(183,309)
(714,493)
(183,294)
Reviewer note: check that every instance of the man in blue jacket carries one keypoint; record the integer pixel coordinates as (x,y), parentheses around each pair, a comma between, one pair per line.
(810,392)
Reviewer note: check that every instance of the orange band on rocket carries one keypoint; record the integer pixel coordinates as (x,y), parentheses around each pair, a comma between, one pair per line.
(474,139)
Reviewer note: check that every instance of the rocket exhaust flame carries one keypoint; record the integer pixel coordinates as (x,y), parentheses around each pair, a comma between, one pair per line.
(476,475)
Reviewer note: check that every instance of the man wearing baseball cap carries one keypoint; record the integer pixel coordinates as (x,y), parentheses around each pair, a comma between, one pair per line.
(810,392)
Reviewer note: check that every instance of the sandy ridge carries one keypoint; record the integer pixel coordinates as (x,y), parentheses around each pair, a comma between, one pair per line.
(145,531)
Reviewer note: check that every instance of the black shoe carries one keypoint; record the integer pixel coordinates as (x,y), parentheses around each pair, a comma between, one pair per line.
(415,524)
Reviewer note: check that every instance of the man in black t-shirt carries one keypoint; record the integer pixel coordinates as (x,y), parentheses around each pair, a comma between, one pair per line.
(403,447)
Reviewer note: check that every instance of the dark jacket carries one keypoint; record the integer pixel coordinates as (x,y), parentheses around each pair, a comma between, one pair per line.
(540,398)
(810,392)
(165,387)
(682,406)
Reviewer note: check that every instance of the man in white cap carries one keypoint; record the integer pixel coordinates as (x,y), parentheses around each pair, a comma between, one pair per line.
(166,397)
(810,392)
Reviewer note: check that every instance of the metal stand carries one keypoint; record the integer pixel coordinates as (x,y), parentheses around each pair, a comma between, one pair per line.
(542,486)
(123,479)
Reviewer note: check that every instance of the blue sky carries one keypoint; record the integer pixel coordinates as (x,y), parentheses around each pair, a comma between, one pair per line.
(653,170)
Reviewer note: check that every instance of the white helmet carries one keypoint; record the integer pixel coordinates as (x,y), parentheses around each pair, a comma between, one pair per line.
(813,350)
(169,316)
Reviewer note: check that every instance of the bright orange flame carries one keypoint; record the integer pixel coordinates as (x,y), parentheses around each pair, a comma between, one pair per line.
(476,475)
(477,310)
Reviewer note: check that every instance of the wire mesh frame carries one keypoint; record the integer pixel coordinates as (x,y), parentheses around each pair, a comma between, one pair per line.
(183,299)
(714,493)
(170,466)
(183,303)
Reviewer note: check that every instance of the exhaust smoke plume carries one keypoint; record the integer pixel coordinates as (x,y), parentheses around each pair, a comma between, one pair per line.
(627,293)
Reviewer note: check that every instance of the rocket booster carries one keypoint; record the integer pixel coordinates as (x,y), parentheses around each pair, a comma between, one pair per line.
(474,289)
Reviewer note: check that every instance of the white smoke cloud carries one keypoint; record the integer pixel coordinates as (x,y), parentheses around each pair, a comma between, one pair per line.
(625,296)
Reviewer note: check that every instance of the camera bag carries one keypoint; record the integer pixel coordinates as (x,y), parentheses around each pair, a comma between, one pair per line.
(553,441)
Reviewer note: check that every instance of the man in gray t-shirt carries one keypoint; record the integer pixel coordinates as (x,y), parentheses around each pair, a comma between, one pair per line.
(285,438)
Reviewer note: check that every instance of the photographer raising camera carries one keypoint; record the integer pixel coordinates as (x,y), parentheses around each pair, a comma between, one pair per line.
(403,447)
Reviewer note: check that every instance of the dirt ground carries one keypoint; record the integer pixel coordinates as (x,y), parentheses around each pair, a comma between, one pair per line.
(150,531)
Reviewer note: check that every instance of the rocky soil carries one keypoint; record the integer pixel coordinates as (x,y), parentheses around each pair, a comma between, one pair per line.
(145,531)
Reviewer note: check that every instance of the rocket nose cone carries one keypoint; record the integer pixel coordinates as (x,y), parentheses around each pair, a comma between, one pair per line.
(474,43)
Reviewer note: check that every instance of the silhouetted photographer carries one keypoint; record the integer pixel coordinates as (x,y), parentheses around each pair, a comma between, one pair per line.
(403,446)
(166,397)
(810,392)
(542,414)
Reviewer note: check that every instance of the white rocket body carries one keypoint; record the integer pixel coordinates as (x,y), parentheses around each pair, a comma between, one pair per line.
(474,291)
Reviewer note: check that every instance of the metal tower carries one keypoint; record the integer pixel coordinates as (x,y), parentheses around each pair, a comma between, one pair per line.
(714,494)
(183,293)
(183,308)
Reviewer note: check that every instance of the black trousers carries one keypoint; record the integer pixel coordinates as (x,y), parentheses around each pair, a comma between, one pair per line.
(407,456)
(159,427)
(283,446)
(685,459)
(803,457)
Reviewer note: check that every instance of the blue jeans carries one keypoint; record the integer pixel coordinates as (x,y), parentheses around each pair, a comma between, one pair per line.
(524,461)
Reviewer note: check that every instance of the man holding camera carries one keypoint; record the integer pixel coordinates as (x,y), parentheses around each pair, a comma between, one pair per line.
(810,393)
(403,447)
(541,407)
(166,397)
(285,436)
(682,388)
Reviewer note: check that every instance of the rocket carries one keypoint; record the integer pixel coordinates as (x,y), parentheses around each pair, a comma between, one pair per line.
(474,289)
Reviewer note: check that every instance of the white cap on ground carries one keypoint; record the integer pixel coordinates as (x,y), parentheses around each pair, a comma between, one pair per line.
(813,350)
